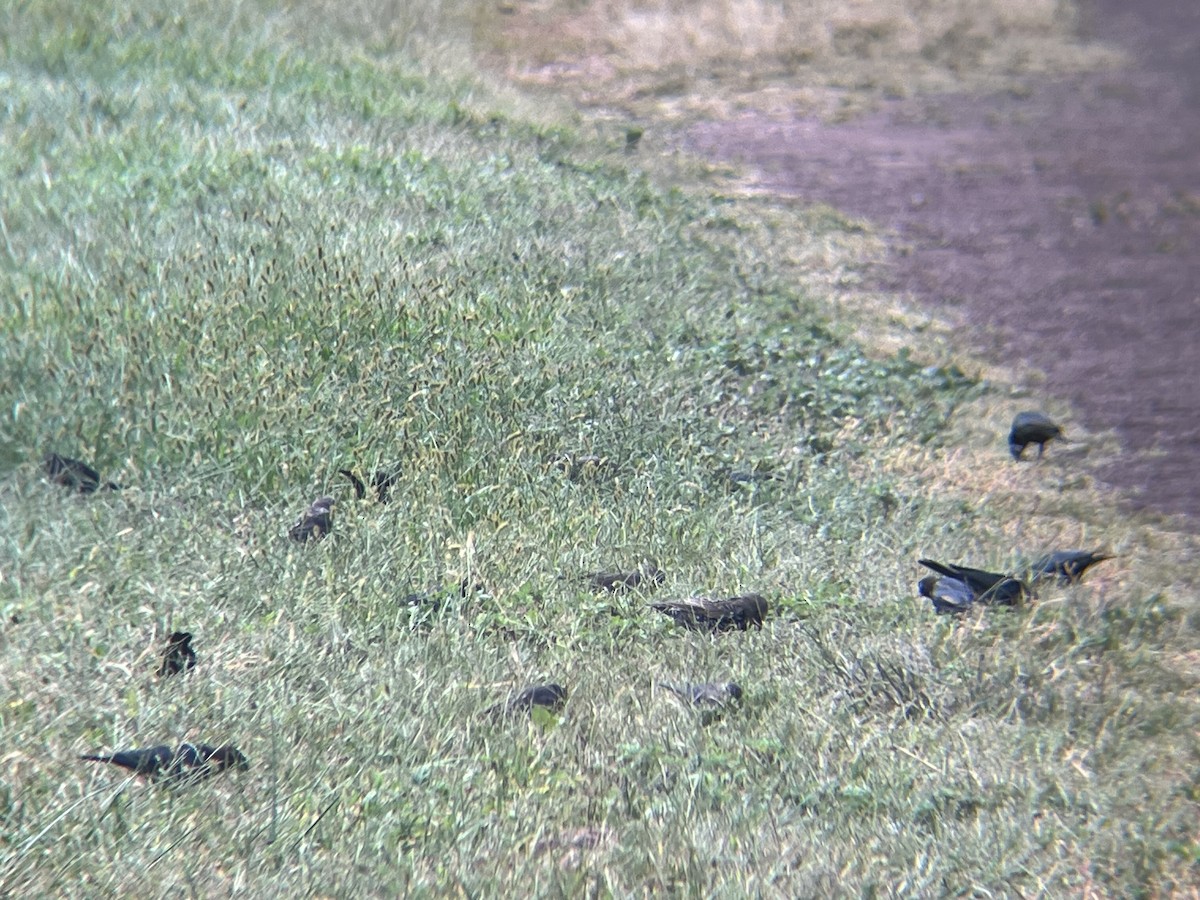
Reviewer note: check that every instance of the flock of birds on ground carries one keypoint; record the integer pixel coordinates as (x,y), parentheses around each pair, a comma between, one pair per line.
(951,589)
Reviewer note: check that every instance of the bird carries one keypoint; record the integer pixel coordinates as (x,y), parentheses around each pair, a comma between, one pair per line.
(551,697)
(381,481)
(1031,427)
(717,615)
(612,582)
(1067,566)
(949,595)
(188,763)
(74,474)
(434,597)
(179,655)
(316,521)
(985,587)
(709,694)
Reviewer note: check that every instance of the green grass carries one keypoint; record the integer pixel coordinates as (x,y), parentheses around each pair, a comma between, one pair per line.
(238,257)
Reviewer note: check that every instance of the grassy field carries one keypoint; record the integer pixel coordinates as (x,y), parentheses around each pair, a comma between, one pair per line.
(245,249)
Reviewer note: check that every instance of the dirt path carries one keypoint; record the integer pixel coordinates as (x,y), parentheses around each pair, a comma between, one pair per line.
(1066,221)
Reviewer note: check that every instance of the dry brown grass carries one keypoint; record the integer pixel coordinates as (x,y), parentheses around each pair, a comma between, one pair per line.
(831,58)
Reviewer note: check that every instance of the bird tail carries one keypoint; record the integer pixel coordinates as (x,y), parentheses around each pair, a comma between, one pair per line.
(91,757)
(681,690)
(939,568)
(360,489)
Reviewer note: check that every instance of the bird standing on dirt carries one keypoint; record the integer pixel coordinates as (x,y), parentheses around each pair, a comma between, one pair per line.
(1032,428)
(316,521)
(612,582)
(1067,566)
(717,615)
(983,587)
(188,763)
(551,697)
(74,474)
(179,655)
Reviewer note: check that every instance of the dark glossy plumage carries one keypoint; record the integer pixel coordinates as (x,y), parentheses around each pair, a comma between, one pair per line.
(1031,428)
(188,762)
(179,655)
(717,615)
(546,696)
(1068,566)
(316,521)
(622,581)
(381,480)
(985,587)
(74,474)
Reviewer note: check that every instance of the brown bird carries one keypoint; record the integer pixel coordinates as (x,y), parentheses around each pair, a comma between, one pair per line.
(1031,427)
(612,582)
(717,615)
(74,474)
(179,655)
(316,521)
(551,697)
(188,763)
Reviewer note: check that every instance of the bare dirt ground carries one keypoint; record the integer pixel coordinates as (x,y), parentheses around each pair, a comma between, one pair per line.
(1060,224)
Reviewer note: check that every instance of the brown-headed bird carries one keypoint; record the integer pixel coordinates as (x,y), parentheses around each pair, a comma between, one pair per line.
(551,697)
(948,595)
(187,763)
(74,474)
(179,655)
(1031,427)
(717,615)
(711,698)
(985,587)
(1067,566)
(316,521)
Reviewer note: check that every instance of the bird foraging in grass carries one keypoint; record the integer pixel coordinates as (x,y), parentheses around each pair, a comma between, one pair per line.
(1032,428)
(948,595)
(978,585)
(551,697)
(187,763)
(711,698)
(74,474)
(717,615)
(646,576)
(316,521)
(1068,566)
(381,481)
(179,655)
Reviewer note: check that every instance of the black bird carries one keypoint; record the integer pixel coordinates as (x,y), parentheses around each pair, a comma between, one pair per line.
(1032,428)
(985,587)
(949,595)
(179,655)
(1067,566)
(188,763)
(382,481)
(717,615)
(316,521)
(623,581)
(74,474)
(546,696)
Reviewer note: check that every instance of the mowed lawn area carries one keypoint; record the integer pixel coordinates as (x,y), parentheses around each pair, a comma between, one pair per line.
(245,245)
